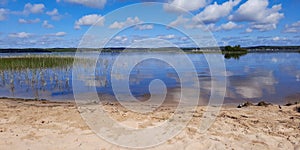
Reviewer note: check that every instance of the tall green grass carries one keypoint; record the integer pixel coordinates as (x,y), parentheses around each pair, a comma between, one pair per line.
(34,62)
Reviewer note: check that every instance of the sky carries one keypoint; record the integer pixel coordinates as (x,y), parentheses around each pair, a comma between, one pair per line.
(122,23)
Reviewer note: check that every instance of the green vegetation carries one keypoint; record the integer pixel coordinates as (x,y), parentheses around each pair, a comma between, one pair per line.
(34,62)
(195,52)
(233,55)
(236,48)
(274,48)
(233,52)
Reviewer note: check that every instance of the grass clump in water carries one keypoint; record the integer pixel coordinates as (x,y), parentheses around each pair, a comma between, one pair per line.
(34,62)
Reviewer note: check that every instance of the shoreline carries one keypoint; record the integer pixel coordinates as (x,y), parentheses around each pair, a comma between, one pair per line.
(257,48)
(27,124)
(229,104)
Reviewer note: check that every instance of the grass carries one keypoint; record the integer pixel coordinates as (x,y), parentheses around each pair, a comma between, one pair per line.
(34,62)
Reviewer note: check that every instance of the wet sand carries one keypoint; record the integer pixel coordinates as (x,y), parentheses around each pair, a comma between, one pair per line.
(55,125)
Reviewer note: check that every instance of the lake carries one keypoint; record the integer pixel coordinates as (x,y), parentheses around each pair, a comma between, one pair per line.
(272,77)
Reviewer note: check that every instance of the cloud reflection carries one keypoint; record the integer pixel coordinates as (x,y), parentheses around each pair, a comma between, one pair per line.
(253,84)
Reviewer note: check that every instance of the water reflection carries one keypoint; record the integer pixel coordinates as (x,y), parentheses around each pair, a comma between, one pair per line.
(263,76)
(32,76)
(32,83)
(234,55)
(252,85)
(272,77)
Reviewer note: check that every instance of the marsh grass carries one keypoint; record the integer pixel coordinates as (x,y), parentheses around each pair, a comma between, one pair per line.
(34,62)
(35,75)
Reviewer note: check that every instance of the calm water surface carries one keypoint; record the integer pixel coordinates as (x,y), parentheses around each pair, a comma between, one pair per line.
(273,77)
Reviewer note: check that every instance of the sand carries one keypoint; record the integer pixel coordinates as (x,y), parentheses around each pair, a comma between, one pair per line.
(54,125)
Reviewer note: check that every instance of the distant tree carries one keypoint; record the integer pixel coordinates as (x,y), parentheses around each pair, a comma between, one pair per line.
(233,52)
(227,48)
(235,48)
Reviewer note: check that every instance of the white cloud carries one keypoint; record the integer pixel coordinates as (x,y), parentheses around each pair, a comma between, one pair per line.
(145,26)
(203,27)
(180,20)
(293,28)
(248,30)
(189,5)
(54,14)
(89,3)
(184,38)
(23,21)
(296,24)
(3,13)
(257,12)
(57,34)
(228,26)
(191,24)
(277,38)
(116,25)
(213,13)
(167,37)
(60,34)
(128,22)
(262,27)
(33,8)
(88,20)
(47,25)
(211,27)
(120,38)
(29,40)
(20,35)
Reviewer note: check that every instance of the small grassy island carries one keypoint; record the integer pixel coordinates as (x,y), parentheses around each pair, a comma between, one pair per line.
(234,52)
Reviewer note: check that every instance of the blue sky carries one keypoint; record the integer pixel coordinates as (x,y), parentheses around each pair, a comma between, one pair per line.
(63,23)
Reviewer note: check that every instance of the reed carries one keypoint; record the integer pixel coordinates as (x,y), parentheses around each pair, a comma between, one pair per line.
(34,62)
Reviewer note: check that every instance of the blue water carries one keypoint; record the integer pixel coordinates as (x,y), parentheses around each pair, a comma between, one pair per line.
(272,77)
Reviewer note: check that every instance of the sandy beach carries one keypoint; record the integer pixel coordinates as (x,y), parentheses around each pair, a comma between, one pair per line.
(57,125)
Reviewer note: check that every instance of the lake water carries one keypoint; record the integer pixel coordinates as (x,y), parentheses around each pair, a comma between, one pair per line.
(272,77)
